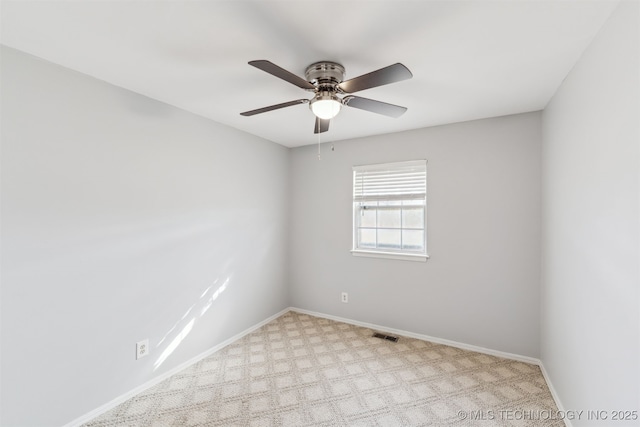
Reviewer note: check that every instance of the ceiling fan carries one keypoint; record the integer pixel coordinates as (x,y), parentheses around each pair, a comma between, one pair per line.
(326,80)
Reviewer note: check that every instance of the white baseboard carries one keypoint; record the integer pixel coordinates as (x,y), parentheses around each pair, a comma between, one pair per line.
(128,395)
(120,399)
(554,394)
(520,358)
(464,346)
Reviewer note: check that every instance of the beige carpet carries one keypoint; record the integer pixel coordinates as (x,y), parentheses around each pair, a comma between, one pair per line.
(300,370)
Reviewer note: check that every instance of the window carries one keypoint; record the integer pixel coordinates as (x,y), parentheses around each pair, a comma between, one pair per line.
(389,210)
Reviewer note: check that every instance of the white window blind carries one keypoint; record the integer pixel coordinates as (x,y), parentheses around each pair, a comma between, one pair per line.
(391,181)
(389,210)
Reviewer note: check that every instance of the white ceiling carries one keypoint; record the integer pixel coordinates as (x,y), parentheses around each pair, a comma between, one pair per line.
(470,59)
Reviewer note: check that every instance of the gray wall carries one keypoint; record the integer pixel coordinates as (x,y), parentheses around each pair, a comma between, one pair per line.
(481,284)
(590,321)
(121,218)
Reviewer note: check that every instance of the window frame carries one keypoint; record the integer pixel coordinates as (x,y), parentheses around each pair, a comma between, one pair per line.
(357,201)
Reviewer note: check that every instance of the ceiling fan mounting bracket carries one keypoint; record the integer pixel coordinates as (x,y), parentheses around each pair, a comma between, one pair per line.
(325,74)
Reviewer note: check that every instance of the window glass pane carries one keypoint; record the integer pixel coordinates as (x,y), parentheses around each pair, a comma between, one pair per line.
(413,217)
(389,217)
(367,216)
(366,238)
(413,240)
(389,207)
(388,239)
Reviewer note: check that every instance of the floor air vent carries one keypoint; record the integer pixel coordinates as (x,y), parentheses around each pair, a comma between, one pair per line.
(385,337)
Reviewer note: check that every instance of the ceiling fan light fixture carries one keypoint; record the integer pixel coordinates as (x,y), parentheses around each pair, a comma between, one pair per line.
(325,105)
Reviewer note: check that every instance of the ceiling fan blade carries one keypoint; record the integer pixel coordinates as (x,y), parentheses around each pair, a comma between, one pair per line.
(281,73)
(374,106)
(391,74)
(274,107)
(322,125)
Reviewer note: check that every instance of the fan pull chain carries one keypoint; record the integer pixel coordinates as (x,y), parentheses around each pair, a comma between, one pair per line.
(319,156)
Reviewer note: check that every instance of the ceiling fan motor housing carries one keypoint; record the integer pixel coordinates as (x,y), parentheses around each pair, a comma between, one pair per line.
(325,75)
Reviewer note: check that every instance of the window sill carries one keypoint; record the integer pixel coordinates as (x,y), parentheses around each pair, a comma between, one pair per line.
(390,255)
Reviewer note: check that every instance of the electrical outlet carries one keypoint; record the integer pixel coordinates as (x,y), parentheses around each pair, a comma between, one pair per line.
(345,297)
(142,349)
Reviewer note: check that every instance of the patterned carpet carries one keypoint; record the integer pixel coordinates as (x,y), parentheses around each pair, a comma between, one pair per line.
(300,370)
